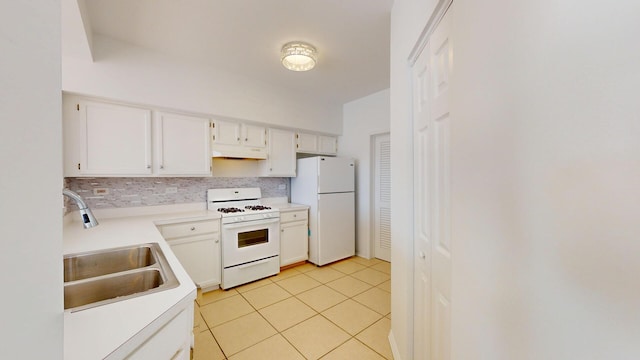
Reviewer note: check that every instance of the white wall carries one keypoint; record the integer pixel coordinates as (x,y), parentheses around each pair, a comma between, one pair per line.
(131,74)
(545,179)
(362,119)
(30,181)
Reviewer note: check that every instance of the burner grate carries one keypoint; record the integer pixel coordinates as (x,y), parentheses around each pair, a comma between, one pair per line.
(230,210)
(257,207)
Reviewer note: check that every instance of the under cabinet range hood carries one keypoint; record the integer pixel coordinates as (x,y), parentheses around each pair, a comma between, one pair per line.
(238,152)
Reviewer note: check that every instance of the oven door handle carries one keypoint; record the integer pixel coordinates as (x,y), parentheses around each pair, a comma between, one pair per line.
(254,263)
(250,223)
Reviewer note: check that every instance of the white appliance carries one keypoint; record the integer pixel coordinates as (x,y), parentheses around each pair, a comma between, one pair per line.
(250,235)
(326,184)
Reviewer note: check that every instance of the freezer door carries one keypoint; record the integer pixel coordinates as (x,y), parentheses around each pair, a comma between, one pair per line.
(336,227)
(335,175)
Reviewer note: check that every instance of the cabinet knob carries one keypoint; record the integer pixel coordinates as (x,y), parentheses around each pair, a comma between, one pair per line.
(282,230)
(161,166)
(217,241)
(193,228)
(148,166)
(246,139)
(238,139)
(422,255)
(295,215)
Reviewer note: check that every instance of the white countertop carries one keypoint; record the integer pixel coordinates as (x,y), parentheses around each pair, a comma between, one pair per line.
(114,330)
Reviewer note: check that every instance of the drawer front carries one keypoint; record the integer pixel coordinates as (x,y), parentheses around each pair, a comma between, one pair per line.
(189,228)
(293,216)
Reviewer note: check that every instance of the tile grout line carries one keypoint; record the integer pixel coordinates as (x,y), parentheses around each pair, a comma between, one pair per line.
(316,312)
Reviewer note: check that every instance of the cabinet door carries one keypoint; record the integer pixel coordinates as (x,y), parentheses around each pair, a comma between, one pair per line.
(282,153)
(182,145)
(294,242)
(114,140)
(306,143)
(327,145)
(254,136)
(200,257)
(226,132)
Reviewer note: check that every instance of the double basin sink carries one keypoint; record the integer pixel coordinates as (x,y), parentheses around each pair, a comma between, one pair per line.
(102,277)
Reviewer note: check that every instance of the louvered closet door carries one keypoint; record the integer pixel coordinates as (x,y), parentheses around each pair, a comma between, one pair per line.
(382,204)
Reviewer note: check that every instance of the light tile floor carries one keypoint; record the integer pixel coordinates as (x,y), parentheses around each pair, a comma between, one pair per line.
(338,311)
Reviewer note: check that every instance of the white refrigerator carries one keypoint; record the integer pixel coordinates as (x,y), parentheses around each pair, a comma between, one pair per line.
(326,184)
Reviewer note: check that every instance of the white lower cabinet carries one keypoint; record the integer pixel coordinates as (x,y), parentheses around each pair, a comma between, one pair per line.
(294,237)
(196,244)
(172,341)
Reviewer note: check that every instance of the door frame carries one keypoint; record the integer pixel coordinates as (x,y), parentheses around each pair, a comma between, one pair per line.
(438,13)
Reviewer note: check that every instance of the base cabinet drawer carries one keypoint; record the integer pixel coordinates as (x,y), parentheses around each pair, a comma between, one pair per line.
(182,229)
(289,216)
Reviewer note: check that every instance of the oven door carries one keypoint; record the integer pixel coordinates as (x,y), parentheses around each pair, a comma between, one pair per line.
(249,241)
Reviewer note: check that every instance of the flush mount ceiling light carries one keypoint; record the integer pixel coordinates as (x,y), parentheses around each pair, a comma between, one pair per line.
(299,56)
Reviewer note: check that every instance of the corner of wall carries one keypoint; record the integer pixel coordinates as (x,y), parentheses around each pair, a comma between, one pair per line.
(394,346)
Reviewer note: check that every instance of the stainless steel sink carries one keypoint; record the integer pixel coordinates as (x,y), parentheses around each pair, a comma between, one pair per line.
(106,276)
(82,266)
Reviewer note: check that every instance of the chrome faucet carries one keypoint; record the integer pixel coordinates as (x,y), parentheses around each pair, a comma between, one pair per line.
(88,220)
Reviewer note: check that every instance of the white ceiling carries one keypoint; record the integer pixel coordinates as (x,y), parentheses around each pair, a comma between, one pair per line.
(245,37)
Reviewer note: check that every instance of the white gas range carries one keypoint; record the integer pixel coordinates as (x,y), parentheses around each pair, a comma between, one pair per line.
(250,235)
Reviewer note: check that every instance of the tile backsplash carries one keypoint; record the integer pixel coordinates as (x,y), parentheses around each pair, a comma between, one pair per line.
(106,193)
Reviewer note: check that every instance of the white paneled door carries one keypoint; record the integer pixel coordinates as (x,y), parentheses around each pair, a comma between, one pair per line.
(382,197)
(432,240)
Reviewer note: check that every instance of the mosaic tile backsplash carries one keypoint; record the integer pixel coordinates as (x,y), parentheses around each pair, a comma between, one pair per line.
(134,192)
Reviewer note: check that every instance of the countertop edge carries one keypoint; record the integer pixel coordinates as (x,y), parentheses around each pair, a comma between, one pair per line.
(112,331)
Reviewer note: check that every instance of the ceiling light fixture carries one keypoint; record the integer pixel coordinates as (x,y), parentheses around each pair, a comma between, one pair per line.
(299,56)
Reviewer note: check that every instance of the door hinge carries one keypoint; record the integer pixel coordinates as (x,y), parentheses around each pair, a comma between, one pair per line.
(78,107)
(213,125)
(297,146)
(296,136)
(78,166)
(214,138)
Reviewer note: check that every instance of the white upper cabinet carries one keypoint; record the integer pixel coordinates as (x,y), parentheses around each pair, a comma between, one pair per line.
(316,144)
(306,143)
(327,145)
(237,140)
(253,135)
(182,145)
(232,133)
(113,139)
(108,139)
(226,133)
(281,156)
